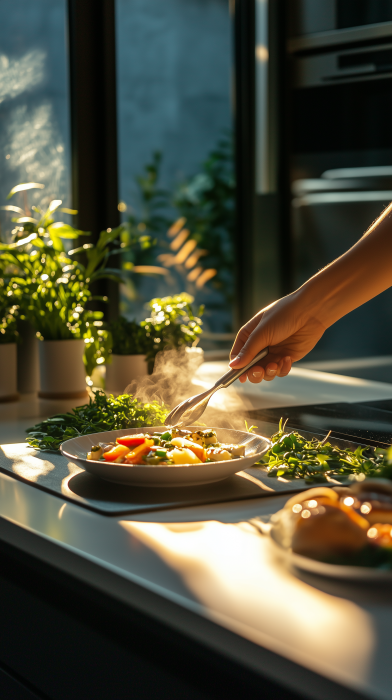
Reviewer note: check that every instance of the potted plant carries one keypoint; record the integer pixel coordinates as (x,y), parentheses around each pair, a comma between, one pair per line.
(172,324)
(8,345)
(52,288)
(51,291)
(128,358)
(52,297)
(27,358)
(46,296)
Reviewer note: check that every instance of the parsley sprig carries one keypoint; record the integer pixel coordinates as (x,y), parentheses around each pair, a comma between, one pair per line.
(100,414)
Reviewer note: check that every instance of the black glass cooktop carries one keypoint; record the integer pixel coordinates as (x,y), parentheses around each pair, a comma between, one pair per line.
(369,422)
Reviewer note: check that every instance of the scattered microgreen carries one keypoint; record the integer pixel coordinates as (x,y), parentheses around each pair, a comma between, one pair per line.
(250,428)
(100,414)
(294,457)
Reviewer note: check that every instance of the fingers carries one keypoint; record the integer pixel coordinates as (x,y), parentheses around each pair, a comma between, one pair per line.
(274,369)
(282,369)
(271,371)
(256,374)
(286,367)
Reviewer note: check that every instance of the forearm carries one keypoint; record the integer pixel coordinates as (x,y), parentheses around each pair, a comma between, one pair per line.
(292,326)
(360,274)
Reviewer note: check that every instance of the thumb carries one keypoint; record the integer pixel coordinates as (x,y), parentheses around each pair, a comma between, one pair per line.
(256,342)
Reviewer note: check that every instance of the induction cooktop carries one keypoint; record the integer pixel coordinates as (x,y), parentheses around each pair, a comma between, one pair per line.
(368,422)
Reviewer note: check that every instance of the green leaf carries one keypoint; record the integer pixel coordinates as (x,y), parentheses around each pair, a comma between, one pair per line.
(250,428)
(107,273)
(65,210)
(63,230)
(81,248)
(18,244)
(26,220)
(54,204)
(25,186)
(11,207)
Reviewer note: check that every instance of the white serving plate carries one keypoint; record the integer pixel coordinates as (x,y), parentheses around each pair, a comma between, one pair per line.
(349,573)
(152,475)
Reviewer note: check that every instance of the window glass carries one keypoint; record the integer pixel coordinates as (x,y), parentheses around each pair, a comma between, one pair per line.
(34,108)
(175,151)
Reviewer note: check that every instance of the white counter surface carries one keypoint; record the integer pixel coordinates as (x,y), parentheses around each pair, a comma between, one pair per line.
(208,573)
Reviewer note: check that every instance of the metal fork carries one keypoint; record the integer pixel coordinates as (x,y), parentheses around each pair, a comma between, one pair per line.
(190,410)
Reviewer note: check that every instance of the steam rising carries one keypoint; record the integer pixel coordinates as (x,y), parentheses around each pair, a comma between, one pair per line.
(171,383)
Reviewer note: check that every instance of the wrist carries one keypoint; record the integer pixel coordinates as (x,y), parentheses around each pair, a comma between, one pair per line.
(319,298)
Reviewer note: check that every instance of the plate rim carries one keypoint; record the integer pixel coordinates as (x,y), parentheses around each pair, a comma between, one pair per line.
(320,568)
(139,470)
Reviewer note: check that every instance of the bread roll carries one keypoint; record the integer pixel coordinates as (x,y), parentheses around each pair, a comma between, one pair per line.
(328,530)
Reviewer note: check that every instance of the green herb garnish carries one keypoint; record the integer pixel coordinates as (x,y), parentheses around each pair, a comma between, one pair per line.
(293,457)
(250,428)
(100,414)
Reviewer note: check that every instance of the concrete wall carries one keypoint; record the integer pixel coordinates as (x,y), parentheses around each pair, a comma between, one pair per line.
(173,63)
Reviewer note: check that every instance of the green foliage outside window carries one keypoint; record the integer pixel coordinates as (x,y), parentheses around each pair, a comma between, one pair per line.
(204,203)
(207,202)
(172,324)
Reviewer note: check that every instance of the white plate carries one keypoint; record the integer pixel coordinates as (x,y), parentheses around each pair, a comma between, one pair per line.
(350,573)
(152,475)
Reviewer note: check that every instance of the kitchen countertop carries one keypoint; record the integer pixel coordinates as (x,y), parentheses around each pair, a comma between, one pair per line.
(207,573)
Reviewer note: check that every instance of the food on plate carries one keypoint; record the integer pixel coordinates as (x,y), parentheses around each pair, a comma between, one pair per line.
(217,454)
(195,447)
(373,499)
(116,454)
(327,529)
(351,526)
(172,447)
(294,457)
(183,456)
(204,437)
(131,441)
(96,452)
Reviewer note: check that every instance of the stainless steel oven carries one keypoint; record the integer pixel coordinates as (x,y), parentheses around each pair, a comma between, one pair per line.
(314,150)
(342,109)
(341,172)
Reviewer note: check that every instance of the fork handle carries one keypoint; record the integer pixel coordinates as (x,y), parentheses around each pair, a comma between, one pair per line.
(233,374)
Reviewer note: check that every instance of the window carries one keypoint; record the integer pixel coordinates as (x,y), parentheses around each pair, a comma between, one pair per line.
(174,114)
(34,110)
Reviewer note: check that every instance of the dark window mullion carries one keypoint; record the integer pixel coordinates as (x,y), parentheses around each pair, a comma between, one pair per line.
(94,120)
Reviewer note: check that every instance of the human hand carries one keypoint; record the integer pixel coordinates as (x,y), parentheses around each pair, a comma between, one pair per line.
(290,331)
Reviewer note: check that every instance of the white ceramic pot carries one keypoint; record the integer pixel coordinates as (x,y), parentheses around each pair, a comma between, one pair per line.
(61,368)
(8,376)
(28,366)
(123,370)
